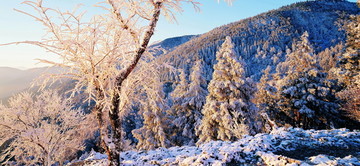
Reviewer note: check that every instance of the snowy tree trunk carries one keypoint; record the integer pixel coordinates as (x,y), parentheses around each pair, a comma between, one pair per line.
(48,158)
(115,121)
(98,109)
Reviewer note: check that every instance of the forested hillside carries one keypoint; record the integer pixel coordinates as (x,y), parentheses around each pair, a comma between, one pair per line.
(264,39)
(305,37)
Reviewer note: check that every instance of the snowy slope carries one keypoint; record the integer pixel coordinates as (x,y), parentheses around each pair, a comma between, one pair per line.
(324,147)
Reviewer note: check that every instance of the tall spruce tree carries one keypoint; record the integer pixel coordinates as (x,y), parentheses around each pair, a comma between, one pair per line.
(228,113)
(188,102)
(266,99)
(154,132)
(349,66)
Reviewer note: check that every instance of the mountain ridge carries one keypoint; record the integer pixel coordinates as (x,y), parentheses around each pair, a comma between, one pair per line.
(15,80)
(264,39)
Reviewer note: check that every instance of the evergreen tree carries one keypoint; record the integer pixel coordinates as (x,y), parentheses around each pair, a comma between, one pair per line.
(349,66)
(266,100)
(350,61)
(178,110)
(328,58)
(154,132)
(188,102)
(181,88)
(305,95)
(228,113)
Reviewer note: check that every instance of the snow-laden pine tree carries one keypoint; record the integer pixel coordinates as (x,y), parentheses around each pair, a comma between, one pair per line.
(154,132)
(349,62)
(188,102)
(329,57)
(42,130)
(181,88)
(305,95)
(266,99)
(349,69)
(228,113)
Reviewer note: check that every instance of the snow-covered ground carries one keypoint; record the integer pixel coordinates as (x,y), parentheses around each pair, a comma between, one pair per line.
(284,146)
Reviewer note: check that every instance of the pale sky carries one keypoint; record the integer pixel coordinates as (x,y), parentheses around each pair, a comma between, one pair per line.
(15,26)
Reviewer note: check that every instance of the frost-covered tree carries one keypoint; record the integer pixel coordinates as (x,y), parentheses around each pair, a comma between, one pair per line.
(349,62)
(153,133)
(266,99)
(42,130)
(181,88)
(328,58)
(351,104)
(188,103)
(305,95)
(302,56)
(349,69)
(310,101)
(178,110)
(228,113)
(153,108)
(101,52)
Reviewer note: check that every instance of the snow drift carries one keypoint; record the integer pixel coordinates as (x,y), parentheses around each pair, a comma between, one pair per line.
(283,146)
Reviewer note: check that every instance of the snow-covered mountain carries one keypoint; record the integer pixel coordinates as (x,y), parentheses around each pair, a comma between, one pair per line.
(263,40)
(170,44)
